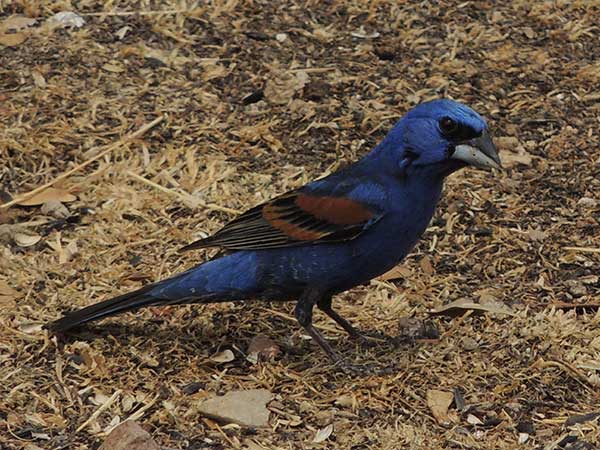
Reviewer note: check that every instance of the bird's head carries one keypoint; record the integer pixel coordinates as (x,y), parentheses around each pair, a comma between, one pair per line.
(442,135)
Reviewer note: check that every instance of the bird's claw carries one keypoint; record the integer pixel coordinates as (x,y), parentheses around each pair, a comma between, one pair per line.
(369,340)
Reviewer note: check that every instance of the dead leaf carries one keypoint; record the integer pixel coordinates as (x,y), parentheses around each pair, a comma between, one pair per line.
(66,19)
(145,359)
(513,159)
(323,34)
(6,290)
(113,68)
(323,434)
(425,265)
(513,152)
(52,193)
(529,32)
(7,295)
(262,348)
(461,306)
(474,420)
(223,357)
(26,240)
(346,401)
(92,359)
(56,209)
(362,34)
(121,32)
(395,274)
(64,253)
(13,39)
(439,402)
(16,23)
(281,89)
(31,327)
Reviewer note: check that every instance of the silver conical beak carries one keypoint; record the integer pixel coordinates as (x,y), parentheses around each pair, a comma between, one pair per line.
(479,152)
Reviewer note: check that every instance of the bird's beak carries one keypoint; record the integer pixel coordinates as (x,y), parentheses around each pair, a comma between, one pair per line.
(479,152)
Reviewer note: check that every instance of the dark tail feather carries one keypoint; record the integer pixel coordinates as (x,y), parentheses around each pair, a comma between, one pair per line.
(126,302)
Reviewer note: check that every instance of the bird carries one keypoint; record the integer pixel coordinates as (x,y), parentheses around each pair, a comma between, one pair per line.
(331,234)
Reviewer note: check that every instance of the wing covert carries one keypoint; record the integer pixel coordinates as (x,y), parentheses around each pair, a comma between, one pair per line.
(292,219)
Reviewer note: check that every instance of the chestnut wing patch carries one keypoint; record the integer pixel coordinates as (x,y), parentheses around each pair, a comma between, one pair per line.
(295,218)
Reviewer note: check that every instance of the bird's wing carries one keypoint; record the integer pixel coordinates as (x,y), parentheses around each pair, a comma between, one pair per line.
(298,217)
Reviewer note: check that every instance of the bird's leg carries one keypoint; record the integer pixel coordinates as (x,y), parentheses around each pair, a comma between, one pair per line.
(324,305)
(309,298)
(303,313)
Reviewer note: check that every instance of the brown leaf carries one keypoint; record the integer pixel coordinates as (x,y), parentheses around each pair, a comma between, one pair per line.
(223,357)
(113,68)
(439,402)
(16,23)
(26,240)
(14,39)
(56,194)
(6,290)
(31,327)
(425,265)
(280,89)
(7,295)
(262,348)
(461,306)
(56,209)
(395,274)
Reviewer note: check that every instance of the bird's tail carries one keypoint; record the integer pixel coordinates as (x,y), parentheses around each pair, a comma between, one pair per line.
(122,303)
(228,278)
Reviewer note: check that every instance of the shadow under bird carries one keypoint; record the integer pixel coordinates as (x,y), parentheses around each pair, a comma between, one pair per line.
(331,234)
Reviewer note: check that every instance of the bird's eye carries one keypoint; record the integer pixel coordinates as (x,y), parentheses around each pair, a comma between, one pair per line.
(448,125)
(410,154)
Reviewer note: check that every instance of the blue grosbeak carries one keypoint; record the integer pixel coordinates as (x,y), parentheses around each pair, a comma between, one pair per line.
(331,234)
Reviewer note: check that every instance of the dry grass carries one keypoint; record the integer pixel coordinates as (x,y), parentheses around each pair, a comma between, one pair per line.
(528,237)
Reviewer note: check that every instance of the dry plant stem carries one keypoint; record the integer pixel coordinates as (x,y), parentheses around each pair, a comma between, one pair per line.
(99,411)
(583,249)
(182,196)
(77,168)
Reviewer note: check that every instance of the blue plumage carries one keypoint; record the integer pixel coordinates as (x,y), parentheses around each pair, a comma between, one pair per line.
(333,233)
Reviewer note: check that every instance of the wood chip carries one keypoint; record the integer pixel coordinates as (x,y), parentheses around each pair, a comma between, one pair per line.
(439,402)
(461,306)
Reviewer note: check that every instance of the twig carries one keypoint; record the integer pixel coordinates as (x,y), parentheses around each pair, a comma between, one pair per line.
(140,412)
(582,249)
(185,197)
(136,13)
(220,430)
(99,411)
(77,168)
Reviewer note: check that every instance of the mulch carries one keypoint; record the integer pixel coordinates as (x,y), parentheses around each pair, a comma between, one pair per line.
(243,101)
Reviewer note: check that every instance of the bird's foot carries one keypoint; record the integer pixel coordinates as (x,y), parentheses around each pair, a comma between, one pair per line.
(371,339)
(363,370)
